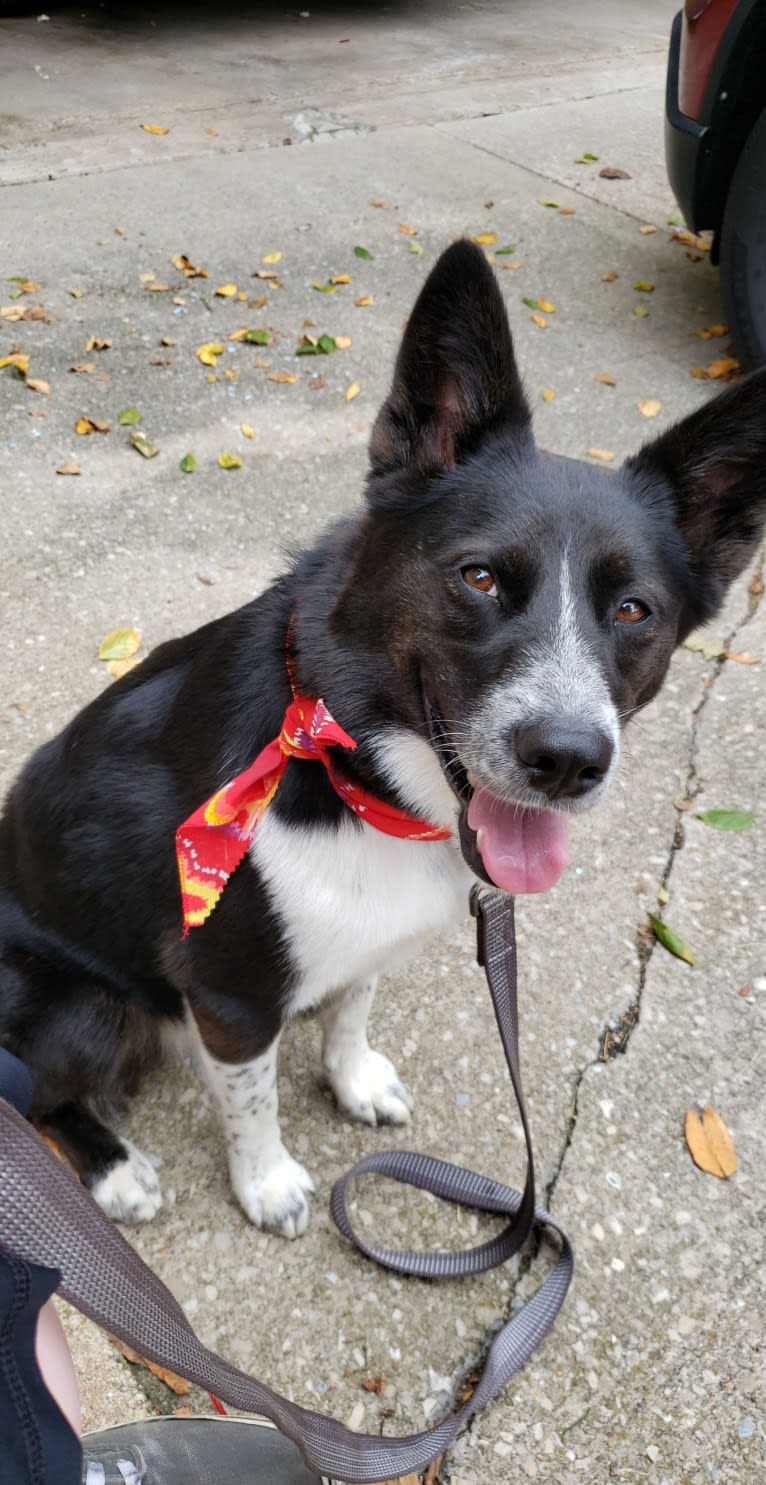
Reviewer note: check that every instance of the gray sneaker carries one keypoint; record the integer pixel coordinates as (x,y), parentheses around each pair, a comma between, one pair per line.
(193,1451)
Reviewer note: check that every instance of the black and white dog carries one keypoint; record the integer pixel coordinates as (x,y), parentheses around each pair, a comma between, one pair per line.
(483,628)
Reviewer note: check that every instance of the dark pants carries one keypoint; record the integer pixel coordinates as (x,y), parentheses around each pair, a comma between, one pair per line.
(37,1445)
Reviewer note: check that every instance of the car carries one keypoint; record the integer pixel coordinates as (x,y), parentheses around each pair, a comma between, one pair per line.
(715,148)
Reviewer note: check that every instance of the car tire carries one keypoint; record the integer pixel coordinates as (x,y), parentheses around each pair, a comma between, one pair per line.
(743,251)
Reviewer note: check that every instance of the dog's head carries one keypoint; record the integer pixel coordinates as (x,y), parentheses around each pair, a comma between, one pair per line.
(525,605)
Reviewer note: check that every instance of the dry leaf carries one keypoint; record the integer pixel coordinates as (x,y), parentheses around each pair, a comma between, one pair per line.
(70,466)
(567,211)
(740,658)
(118,668)
(512,266)
(226,291)
(352,391)
(281,376)
(710,1144)
(547,394)
(171,1379)
(209,352)
(689,239)
(342,342)
(77,293)
(119,644)
(247,430)
(485,239)
(373,1384)
(539,320)
(340,278)
(381,205)
(155,129)
(38,386)
(316,382)
(265,273)
(83,366)
(611,172)
(259,302)
(649,406)
(17,359)
(647,229)
(408,231)
(604,454)
(606,379)
(96,343)
(640,311)
(155,288)
(609,278)
(724,368)
(187,268)
(90,425)
(271,258)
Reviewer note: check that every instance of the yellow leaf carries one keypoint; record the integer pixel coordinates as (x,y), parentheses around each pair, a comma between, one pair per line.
(640,310)
(38,386)
(512,266)
(155,129)
(146,278)
(539,320)
(547,394)
(649,406)
(185,266)
(19,359)
(343,342)
(725,366)
(208,352)
(352,391)
(281,376)
(364,299)
(118,668)
(485,239)
(90,425)
(647,229)
(118,644)
(340,278)
(70,466)
(96,343)
(226,291)
(77,293)
(709,1143)
(604,454)
(247,430)
(606,379)
(408,231)
(546,306)
(155,288)
(271,258)
(229,461)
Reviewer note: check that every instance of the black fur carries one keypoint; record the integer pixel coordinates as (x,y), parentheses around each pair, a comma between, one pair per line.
(91,957)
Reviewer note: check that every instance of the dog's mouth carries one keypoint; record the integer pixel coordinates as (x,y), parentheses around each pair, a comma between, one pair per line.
(506,844)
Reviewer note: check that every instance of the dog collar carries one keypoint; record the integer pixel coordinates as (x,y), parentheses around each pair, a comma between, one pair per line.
(213,841)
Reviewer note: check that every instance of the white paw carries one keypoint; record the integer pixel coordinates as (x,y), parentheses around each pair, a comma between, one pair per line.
(369,1089)
(276,1199)
(130,1191)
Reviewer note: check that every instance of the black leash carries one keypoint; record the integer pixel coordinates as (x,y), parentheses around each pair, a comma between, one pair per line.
(48,1218)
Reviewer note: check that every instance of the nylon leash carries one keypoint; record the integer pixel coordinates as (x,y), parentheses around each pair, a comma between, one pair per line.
(47,1217)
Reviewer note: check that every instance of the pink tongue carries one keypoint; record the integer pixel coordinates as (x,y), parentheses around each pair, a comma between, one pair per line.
(522,850)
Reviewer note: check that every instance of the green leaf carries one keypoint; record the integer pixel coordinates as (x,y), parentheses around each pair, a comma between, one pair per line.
(141,442)
(119,644)
(326,344)
(503,251)
(362,252)
(324,288)
(129,416)
(188,464)
(229,461)
(546,201)
(675,219)
(416,247)
(727,819)
(258,337)
(670,940)
(531,303)
(710,649)
(586,158)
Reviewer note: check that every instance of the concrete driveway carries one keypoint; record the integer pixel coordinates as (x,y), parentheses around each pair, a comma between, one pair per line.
(306,134)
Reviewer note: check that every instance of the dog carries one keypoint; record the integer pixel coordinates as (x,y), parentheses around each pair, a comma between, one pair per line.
(477,635)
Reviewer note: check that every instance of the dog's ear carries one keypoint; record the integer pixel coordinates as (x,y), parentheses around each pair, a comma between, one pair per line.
(715,464)
(455,377)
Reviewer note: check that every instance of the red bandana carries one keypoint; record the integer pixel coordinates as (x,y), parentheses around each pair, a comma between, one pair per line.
(212,842)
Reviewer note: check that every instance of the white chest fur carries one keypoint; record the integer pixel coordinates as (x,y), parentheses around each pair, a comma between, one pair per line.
(356,903)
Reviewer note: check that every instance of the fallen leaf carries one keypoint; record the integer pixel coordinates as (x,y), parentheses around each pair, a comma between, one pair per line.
(486,239)
(756,586)
(209,352)
(271,257)
(417,247)
(155,288)
(507,251)
(343,342)
(146,278)
(171,1379)
(546,306)
(647,229)
(267,273)
(247,430)
(118,668)
(363,252)
(316,382)
(587,158)
(606,379)
(19,360)
(547,201)
(258,336)
(142,445)
(709,1143)
(690,239)
(188,464)
(643,286)
(724,368)
(38,386)
(649,406)
(129,416)
(567,211)
(83,366)
(259,302)
(373,1384)
(611,172)
(547,394)
(710,649)
(327,288)
(155,129)
(77,293)
(187,268)
(352,391)
(381,205)
(96,343)
(281,376)
(226,291)
(609,278)
(740,658)
(512,266)
(670,940)
(709,331)
(408,231)
(118,644)
(91,425)
(640,311)
(539,320)
(727,819)
(167,340)
(604,454)
(229,461)
(364,299)
(212,132)
(70,466)
(340,278)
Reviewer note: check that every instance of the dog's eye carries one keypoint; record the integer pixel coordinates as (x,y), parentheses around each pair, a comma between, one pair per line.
(480,579)
(632,611)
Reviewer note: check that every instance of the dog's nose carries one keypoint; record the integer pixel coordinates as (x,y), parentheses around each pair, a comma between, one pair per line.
(564,760)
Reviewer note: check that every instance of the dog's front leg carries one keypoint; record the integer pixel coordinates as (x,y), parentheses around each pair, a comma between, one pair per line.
(272,1188)
(365,1083)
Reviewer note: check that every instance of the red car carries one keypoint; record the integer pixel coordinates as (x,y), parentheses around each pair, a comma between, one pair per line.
(715,146)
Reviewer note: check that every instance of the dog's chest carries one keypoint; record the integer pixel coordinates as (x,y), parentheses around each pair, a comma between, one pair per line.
(354,902)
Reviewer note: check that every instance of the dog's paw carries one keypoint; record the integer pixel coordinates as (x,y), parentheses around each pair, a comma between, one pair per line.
(130,1190)
(369,1089)
(276,1199)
